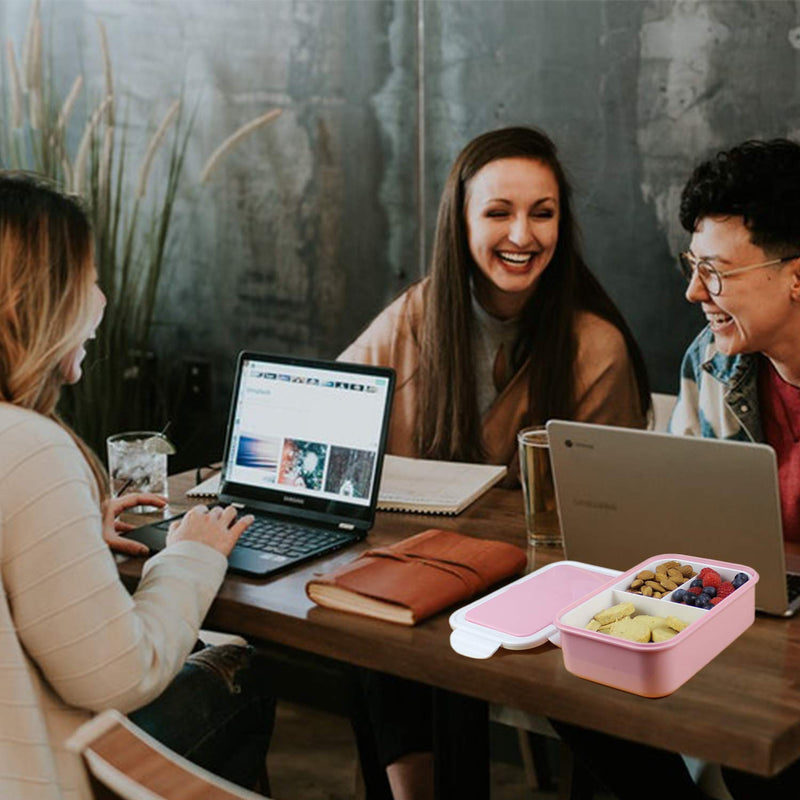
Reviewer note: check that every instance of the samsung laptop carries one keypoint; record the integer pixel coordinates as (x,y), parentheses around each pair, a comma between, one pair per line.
(625,495)
(303,453)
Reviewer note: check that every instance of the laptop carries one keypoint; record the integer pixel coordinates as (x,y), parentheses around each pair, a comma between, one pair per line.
(625,495)
(303,453)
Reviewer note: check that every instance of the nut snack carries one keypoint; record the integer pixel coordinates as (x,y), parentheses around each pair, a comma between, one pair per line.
(663,578)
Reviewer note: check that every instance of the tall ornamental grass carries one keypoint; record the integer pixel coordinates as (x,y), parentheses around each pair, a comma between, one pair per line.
(131,217)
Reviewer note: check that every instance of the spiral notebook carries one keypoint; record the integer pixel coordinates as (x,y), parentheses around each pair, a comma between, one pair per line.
(416,485)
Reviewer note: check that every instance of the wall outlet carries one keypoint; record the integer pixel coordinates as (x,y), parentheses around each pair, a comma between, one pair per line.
(197,384)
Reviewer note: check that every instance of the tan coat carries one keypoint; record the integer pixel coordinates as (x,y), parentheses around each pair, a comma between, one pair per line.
(605,383)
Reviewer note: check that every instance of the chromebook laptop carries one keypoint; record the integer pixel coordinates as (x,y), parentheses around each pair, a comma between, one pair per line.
(624,495)
(303,453)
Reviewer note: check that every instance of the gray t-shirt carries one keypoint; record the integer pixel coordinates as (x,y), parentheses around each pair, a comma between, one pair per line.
(488,334)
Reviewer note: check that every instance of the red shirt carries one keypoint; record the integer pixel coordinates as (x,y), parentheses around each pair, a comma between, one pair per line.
(780,419)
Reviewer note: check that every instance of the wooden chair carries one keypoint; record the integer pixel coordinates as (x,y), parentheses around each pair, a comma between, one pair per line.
(124,763)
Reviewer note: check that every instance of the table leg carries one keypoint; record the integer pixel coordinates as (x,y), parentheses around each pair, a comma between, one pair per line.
(460,746)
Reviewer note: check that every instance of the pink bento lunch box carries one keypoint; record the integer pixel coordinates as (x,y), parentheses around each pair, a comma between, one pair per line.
(654,669)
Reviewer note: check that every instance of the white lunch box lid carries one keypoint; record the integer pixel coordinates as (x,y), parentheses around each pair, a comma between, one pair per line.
(521,615)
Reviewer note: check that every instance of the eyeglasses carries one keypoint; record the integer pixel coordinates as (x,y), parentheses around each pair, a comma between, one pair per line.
(712,277)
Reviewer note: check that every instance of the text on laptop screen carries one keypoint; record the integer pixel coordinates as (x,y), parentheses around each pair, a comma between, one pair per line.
(307,431)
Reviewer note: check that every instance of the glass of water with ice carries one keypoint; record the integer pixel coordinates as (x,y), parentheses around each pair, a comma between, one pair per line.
(137,462)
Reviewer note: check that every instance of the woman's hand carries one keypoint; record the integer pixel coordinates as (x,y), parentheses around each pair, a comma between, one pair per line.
(217,528)
(112,526)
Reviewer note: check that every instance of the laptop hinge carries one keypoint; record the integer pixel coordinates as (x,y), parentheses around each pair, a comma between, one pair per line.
(346,526)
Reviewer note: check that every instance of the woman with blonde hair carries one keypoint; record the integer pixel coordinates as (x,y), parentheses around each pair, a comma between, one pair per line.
(73,640)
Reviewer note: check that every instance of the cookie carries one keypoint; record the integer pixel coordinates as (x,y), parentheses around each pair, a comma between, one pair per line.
(634,629)
(653,622)
(614,613)
(663,634)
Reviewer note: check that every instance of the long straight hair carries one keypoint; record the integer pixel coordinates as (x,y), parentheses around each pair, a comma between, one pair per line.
(448,421)
(46,278)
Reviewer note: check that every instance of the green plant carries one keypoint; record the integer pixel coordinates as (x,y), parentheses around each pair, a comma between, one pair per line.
(131,220)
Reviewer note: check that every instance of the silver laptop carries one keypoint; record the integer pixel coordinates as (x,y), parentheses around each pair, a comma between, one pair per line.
(626,495)
(303,453)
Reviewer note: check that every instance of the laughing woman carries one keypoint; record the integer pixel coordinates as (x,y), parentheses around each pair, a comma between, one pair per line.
(510,329)
(73,641)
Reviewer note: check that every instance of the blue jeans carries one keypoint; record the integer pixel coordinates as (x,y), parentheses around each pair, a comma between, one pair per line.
(217,712)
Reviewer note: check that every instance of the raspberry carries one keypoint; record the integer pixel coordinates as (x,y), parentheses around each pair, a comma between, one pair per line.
(726,588)
(703,572)
(712,578)
(715,600)
(694,590)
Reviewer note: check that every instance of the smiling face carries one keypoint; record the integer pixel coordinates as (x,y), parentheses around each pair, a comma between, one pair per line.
(512,215)
(71,364)
(756,312)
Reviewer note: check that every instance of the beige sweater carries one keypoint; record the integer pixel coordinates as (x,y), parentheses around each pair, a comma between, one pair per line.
(72,640)
(605,384)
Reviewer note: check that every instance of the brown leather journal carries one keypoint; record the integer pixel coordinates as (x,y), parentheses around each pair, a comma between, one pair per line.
(416,577)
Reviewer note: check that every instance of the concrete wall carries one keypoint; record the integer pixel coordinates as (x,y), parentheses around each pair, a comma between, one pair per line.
(313,224)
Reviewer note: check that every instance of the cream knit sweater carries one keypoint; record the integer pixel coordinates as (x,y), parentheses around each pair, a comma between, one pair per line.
(72,640)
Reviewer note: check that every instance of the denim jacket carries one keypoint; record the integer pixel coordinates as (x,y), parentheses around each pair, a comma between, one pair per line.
(718,396)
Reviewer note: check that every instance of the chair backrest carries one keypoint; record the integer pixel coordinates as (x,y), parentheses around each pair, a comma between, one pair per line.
(125,763)
(662,410)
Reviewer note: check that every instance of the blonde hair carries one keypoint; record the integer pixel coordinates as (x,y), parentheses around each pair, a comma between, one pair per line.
(46,276)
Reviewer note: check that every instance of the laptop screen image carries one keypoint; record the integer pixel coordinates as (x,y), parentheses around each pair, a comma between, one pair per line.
(306,436)
(625,495)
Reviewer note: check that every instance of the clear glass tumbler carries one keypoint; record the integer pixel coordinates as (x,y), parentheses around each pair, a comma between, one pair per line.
(137,462)
(541,513)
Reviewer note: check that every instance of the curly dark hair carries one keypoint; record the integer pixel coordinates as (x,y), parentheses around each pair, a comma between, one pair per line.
(757,180)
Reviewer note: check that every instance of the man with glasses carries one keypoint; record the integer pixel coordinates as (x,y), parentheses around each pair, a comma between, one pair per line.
(740,379)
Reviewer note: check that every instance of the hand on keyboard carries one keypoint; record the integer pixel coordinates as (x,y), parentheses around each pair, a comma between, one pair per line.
(217,527)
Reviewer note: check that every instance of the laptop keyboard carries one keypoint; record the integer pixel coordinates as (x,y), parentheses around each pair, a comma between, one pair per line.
(289,539)
(792,586)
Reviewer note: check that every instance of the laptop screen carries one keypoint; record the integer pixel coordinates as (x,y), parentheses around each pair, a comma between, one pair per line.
(307,434)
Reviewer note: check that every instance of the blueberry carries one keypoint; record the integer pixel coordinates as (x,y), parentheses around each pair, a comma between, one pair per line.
(703,601)
(710,591)
(690,599)
(697,582)
(678,595)
(739,579)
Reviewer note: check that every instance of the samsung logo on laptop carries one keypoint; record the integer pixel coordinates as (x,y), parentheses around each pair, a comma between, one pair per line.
(598,504)
(298,500)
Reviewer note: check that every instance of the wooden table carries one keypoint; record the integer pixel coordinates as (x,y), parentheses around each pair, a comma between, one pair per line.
(741,710)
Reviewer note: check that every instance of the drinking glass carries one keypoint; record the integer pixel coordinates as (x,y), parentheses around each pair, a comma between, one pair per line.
(137,462)
(541,514)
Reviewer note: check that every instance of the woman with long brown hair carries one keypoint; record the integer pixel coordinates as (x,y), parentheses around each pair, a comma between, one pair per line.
(509,329)
(73,640)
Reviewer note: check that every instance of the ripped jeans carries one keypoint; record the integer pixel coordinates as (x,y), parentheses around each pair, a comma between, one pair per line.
(217,712)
